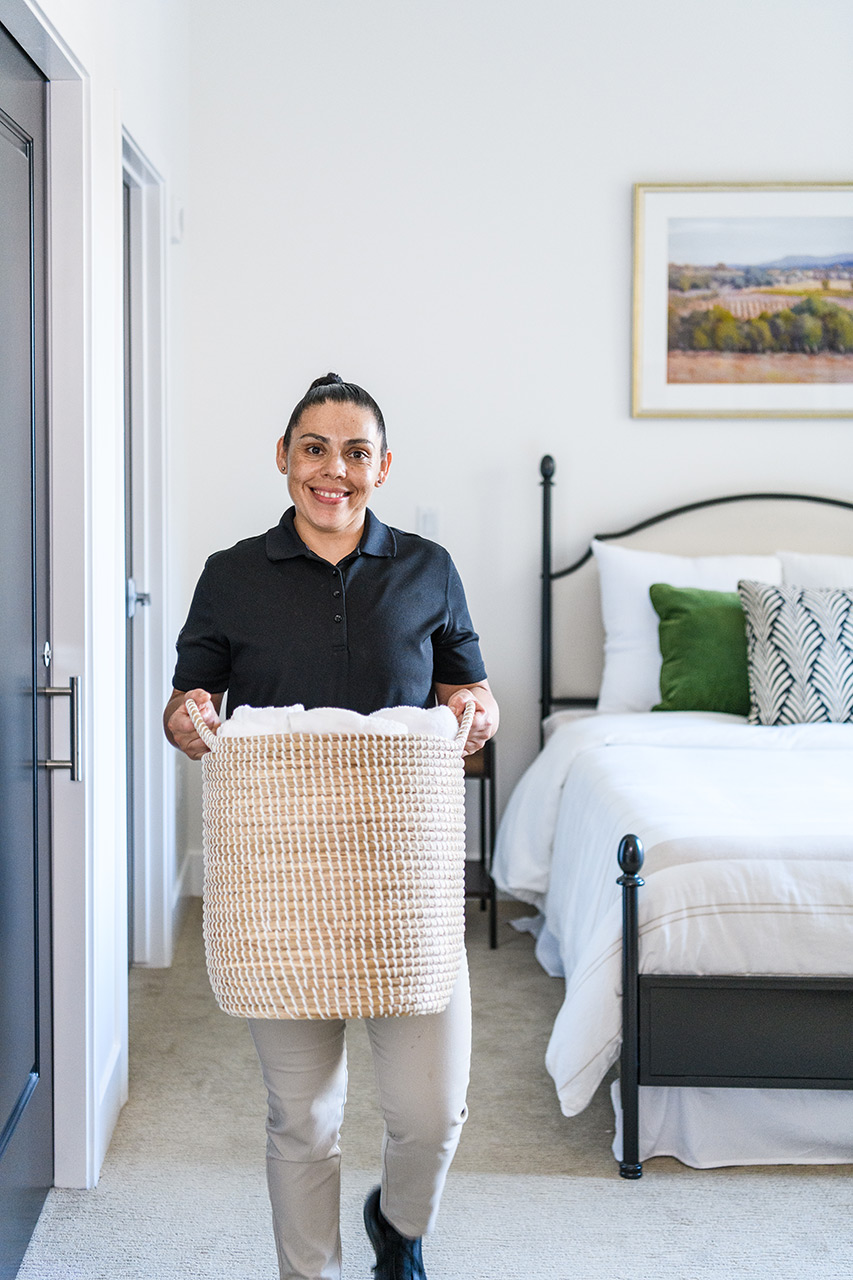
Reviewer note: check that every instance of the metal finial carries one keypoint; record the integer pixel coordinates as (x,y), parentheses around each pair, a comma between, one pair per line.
(631,855)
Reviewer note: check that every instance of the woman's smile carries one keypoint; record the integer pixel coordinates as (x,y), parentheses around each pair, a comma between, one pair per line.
(330,495)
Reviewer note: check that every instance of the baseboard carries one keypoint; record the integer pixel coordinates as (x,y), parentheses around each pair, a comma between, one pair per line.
(112,1095)
(193,873)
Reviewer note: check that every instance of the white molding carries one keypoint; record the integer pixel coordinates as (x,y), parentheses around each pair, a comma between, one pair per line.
(155,872)
(40,40)
(76,1159)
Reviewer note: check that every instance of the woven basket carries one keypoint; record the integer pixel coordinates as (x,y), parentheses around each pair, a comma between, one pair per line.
(333,872)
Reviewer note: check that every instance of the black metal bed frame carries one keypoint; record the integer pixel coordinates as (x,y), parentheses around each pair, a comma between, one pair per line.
(717,1031)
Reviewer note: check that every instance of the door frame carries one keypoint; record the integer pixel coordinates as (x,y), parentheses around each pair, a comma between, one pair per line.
(158,898)
(84,325)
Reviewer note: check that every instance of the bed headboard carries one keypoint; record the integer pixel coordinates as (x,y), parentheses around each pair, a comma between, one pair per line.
(754,523)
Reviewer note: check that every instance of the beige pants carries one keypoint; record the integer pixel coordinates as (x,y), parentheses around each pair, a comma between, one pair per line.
(422,1066)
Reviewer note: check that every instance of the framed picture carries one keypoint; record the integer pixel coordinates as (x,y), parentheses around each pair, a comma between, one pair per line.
(743,300)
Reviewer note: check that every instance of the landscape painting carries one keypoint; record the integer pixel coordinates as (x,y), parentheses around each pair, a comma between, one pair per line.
(737,315)
(750,310)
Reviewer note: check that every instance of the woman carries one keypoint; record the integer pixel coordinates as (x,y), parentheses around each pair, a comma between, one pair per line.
(333,608)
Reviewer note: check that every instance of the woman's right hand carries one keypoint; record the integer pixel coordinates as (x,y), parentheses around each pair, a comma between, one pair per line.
(180,729)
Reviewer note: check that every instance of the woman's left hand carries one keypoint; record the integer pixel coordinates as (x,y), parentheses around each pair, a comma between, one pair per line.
(486,715)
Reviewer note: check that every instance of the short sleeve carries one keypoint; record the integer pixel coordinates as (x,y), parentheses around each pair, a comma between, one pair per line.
(456,645)
(204,654)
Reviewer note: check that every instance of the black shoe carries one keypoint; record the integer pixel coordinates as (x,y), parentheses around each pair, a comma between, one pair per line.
(397,1257)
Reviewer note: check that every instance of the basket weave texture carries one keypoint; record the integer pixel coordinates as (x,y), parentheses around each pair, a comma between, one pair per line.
(333,874)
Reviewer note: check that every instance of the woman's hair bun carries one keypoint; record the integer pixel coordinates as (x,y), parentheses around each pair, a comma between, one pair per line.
(333,389)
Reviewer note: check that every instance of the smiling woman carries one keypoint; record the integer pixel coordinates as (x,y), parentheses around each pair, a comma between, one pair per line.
(332,608)
(334,459)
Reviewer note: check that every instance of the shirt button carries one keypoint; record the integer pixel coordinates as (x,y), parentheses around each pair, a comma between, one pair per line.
(336,593)
(338,618)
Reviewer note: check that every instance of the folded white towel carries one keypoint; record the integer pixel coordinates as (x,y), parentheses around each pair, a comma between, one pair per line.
(389,722)
(438,720)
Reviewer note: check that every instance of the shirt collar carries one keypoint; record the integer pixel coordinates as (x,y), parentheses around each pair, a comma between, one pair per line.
(284,543)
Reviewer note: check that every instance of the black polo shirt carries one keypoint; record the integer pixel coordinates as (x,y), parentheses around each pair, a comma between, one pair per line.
(274,624)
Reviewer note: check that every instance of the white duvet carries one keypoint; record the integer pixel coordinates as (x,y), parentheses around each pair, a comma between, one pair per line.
(748,833)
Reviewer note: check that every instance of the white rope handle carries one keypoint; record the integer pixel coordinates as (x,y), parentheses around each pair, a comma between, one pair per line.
(465,725)
(203,730)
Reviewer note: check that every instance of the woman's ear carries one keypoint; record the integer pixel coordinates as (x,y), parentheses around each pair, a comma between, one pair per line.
(281,456)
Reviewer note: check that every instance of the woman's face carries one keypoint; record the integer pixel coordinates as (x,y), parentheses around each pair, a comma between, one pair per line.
(333,464)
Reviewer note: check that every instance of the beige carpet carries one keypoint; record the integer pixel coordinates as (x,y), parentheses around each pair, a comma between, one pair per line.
(532,1195)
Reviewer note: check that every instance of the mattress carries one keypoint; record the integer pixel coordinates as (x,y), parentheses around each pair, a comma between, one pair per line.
(748,833)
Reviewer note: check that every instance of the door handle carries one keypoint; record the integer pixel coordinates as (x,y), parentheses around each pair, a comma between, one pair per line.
(135,598)
(72,692)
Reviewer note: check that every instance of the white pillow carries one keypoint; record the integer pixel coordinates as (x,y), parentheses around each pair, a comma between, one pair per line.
(799,570)
(632,661)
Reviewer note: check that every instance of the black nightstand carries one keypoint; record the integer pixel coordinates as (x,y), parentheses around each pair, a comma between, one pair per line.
(480,768)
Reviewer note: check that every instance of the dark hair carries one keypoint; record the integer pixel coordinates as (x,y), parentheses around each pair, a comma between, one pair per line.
(333,387)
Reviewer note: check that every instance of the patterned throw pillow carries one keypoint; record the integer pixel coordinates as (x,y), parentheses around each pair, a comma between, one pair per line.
(800,653)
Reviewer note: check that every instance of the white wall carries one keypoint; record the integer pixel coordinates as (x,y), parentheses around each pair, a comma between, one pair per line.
(434,199)
(154,91)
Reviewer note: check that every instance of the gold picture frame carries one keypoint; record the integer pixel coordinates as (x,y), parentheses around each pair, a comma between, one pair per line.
(741,310)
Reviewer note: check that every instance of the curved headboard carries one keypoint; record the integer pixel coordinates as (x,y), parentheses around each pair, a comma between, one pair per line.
(754,523)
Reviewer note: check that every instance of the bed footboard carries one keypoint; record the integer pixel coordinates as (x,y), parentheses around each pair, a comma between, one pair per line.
(631,862)
(722,1031)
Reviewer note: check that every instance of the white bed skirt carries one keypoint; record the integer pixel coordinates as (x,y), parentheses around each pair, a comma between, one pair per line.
(709,1128)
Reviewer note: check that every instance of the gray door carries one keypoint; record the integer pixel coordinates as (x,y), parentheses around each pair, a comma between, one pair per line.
(26,1104)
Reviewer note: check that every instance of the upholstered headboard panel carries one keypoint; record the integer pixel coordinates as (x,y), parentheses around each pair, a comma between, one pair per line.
(755,524)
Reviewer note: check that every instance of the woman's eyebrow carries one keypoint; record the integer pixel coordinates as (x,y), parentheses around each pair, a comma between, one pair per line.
(315,435)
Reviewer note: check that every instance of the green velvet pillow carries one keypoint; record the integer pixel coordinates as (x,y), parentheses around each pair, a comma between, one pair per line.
(703,647)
